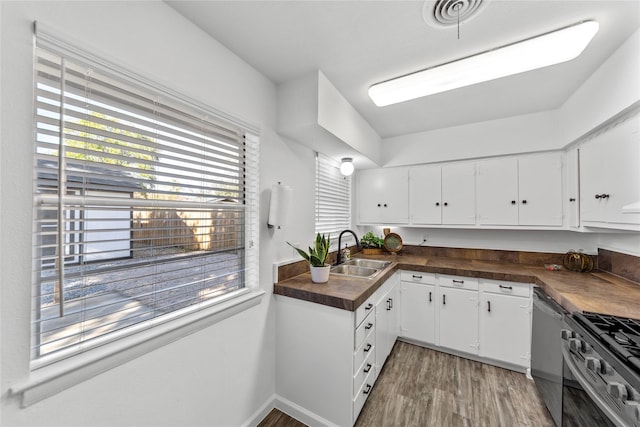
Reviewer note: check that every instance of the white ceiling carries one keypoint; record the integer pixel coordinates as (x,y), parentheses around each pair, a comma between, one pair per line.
(359,43)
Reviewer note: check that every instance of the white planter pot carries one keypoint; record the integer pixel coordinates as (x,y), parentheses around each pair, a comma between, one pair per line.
(320,274)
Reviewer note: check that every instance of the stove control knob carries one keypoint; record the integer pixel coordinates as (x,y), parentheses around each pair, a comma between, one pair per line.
(633,411)
(575,344)
(566,334)
(605,368)
(617,391)
(594,364)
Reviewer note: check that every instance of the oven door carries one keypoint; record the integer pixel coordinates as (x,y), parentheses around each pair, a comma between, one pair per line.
(583,404)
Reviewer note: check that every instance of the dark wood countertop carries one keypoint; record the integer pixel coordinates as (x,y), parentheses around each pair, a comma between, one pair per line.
(596,291)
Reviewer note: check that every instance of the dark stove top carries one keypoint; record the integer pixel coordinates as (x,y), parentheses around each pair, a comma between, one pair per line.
(621,335)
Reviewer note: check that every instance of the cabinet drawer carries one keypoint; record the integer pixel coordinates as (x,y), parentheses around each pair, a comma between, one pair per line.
(364,330)
(362,372)
(361,397)
(506,288)
(418,277)
(366,348)
(364,309)
(470,283)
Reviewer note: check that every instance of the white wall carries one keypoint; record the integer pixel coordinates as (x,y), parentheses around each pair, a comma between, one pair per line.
(219,376)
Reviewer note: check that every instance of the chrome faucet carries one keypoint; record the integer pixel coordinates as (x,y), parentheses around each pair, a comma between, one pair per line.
(339,255)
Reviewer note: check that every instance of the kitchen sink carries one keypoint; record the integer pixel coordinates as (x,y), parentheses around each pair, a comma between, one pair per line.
(355,271)
(368,263)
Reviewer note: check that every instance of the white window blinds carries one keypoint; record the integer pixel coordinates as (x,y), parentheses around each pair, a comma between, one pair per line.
(333,197)
(145,205)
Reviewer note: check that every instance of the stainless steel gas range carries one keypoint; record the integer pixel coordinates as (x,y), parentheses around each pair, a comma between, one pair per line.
(601,379)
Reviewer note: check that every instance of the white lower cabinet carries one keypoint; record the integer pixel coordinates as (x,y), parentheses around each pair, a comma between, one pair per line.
(418,315)
(387,319)
(458,313)
(487,319)
(505,322)
(326,356)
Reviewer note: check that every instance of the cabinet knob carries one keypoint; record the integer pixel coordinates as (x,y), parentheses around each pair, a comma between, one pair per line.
(513,202)
(524,202)
(446,204)
(379,205)
(385,205)
(572,199)
(437,203)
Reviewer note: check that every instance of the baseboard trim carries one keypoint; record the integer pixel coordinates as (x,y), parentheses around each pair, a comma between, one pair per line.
(261,413)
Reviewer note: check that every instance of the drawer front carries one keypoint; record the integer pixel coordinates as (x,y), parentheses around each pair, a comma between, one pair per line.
(461,282)
(364,309)
(366,348)
(364,330)
(361,397)
(506,288)
(362,373)
(418,277)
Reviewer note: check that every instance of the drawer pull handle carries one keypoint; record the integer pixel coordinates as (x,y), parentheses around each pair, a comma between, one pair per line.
(489,306)
(458,281)
(415,276)
(367,368)
(367,389)
(430,297)
(367,348)
(369,326)
(369,306)
(444,299)
(506,287)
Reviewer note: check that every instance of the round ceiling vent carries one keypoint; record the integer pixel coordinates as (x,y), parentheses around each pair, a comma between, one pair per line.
(447,13)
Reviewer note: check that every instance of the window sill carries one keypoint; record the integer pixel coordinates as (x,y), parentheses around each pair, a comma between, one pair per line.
(49,380)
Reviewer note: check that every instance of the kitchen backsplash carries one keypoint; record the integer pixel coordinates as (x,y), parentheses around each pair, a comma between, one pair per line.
(622,265)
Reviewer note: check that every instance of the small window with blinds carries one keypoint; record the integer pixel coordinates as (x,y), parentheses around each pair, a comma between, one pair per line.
(333,198)
(145,206)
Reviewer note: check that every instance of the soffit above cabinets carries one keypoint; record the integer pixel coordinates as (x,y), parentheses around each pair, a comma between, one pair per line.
(359,43)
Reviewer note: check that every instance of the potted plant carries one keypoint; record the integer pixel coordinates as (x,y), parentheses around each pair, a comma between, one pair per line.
(317,257)
(371,244)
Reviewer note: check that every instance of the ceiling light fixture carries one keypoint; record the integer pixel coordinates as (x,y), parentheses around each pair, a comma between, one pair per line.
(346,167)
(541,51)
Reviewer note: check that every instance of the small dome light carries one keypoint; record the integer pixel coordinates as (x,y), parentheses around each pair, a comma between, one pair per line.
(346,167)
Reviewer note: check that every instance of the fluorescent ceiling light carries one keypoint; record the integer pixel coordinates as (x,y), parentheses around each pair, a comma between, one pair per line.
(541,51)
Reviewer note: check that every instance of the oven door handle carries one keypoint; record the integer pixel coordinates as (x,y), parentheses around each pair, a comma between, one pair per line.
(599,401)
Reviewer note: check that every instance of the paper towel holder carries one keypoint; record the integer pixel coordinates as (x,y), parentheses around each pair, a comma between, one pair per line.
(279,205)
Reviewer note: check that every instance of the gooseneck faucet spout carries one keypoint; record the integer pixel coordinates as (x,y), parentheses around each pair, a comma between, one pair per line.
(339,254)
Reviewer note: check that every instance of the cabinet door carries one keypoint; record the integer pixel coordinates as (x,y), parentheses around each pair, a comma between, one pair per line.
(498,191)
(505,328)
(459,193)
(540,189)
(571,199)
(418,312)
(387,311)
(425,200)
(458,319)
(610,166)
(383,196)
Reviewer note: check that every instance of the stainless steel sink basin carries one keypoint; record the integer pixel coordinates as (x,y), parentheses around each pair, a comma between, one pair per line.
(368,263)
(355,271)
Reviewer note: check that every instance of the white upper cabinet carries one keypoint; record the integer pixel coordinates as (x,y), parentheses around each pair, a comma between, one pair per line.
(442,194)
(383,196)
(571,198)
(610,176)
(525,190)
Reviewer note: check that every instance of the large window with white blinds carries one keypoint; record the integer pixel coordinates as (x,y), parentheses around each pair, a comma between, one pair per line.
(145,205)
(333,198)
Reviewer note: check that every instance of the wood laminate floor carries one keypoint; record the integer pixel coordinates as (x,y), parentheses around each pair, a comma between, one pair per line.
(422,387)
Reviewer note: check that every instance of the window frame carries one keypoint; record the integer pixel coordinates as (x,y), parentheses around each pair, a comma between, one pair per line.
(47,378)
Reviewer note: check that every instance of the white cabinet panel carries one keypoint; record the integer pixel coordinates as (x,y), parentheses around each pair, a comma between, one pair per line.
(383,196)
(505,323)
(442,194)
(571,198)
(524,190)
(610,176)
(458,319)
(418,318)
